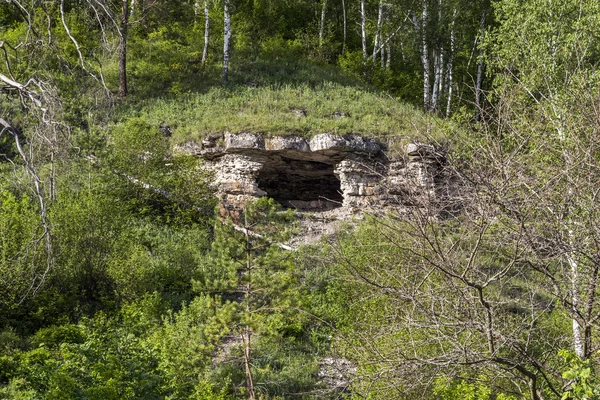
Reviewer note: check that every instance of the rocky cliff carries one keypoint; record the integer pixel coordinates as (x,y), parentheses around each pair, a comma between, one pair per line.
(321,174)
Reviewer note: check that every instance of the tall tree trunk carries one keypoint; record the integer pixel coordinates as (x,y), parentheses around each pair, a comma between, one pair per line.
(437,62)
(206,31)
(388,45)
(449,72)
(226,38)
(345,26)
(123,90)
(425,58)
(479,79)
(363,29)
(322,26)
(376,43)
(438,67)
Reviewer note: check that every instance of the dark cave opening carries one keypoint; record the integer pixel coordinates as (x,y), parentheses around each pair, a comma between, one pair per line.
(301,184)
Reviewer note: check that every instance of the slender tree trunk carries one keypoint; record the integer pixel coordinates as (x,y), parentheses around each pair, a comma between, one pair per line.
(437,62)
(588,311)
(425,58)
(345,26)
(577,343)
(363,28)
(123,90)
(388,45)
(206,31)
(438,67)
(478,84)
(246,336)
(479,79)
(226,38)
(388,62)
(449,67)
(376,43)
(322,26)
(247,333)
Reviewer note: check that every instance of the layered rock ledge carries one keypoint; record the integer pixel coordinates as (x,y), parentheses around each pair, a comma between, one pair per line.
(319,174)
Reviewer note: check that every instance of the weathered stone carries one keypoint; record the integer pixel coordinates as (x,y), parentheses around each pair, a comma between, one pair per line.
(328,141)
(328,172)
(243,141)
(278,143)
(211,140)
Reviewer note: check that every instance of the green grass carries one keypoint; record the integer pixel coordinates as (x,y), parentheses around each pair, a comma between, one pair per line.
(283,85)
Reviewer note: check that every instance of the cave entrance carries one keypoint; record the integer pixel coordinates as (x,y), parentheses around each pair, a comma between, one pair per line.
(302,185)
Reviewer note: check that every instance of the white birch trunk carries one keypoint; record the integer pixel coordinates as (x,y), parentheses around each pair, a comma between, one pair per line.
(425,58)
(437,62)
(206,31)
(577,343)
(388,46)
(376,44)
(322,26)
(438,67)
(449,73)
(363,28)
(226,39)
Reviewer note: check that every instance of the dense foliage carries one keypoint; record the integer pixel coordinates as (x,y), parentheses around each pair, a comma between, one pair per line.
(118,281)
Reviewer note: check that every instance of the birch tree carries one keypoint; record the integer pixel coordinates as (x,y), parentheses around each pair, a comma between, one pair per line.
(423,28)
(449,67)
(206,31)
(322,23)
(377,46)
(226,39)
(363,30)
(553,75)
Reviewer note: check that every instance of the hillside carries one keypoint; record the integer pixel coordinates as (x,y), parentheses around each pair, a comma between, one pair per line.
(287,96)
(299,199)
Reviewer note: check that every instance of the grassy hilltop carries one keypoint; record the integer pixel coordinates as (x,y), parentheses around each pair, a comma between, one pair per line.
(266,94)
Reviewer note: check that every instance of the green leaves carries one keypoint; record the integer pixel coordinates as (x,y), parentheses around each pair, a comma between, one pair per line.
(581,376)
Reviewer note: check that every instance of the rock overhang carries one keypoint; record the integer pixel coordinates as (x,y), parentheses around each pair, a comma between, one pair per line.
(318,173)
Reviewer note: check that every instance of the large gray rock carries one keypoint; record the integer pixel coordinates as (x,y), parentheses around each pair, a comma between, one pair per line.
(243,141)
(328,141)
(278,143)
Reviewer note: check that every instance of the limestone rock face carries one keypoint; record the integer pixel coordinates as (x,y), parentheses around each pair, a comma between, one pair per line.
(324,173)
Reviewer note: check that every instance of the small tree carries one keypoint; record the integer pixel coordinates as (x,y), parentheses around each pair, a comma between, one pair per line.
(248,266)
